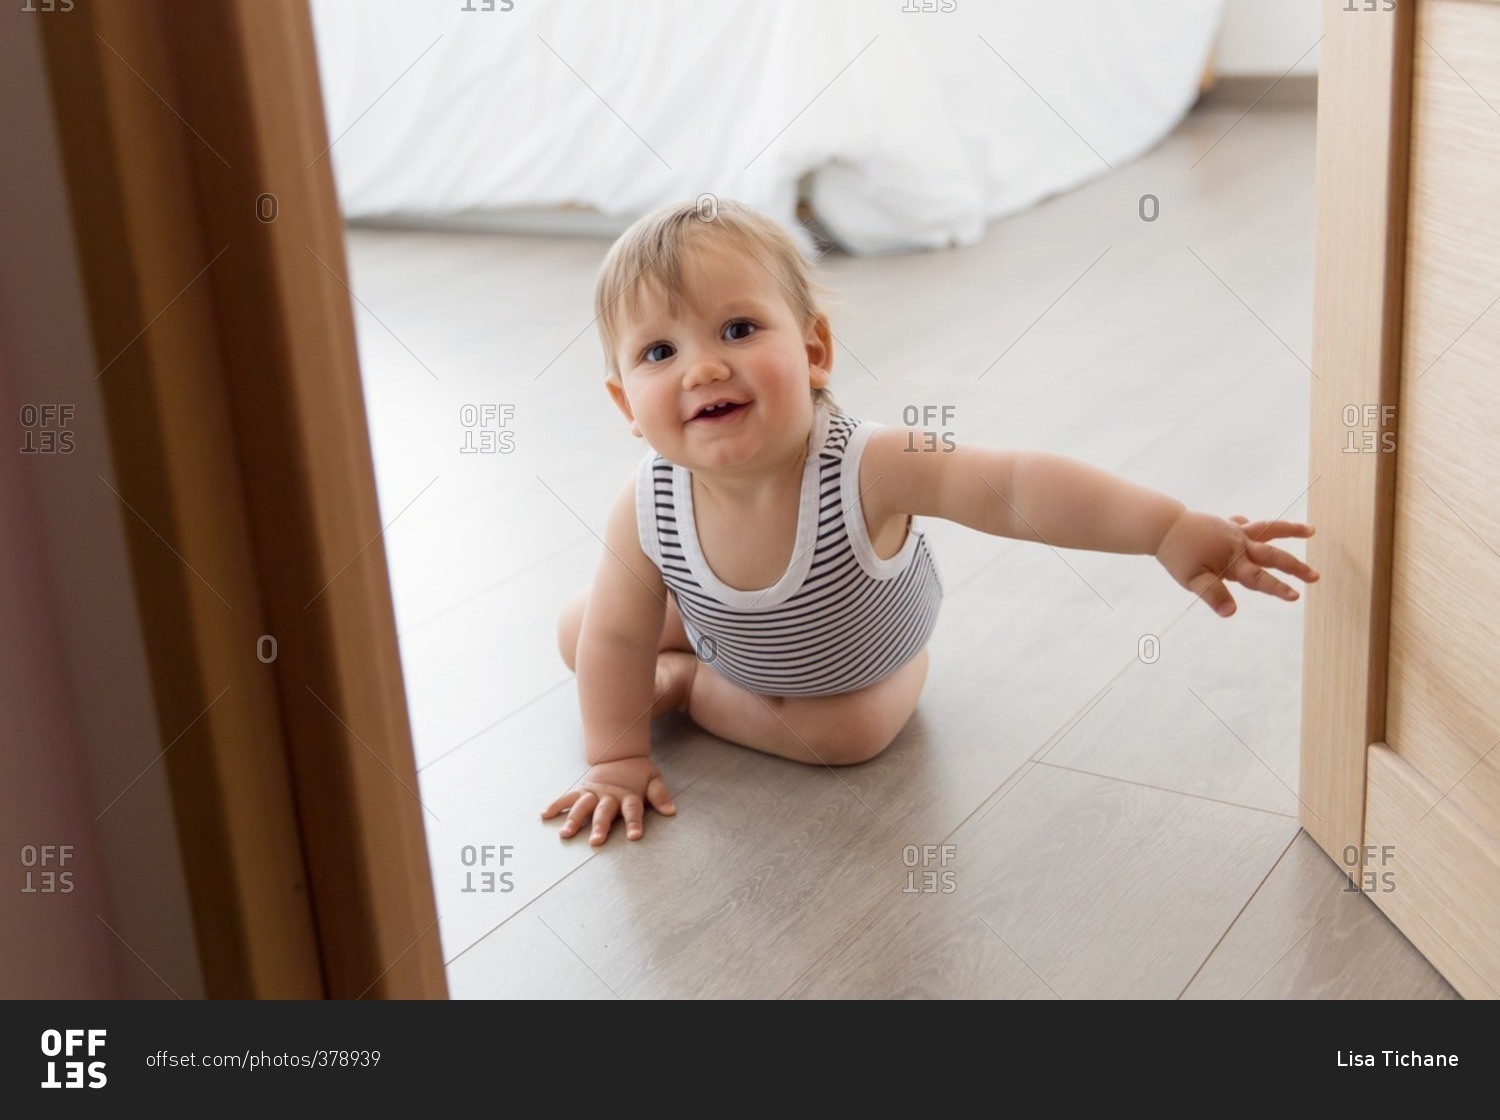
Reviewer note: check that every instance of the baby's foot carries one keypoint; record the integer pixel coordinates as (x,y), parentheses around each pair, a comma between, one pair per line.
(675,670)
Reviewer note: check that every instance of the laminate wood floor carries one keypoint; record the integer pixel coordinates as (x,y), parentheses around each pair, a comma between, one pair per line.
(1097,794)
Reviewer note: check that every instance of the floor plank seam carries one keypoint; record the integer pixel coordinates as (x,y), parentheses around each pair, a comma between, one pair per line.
(1240,913)
(517,913)
(1167,789)
(1012,779)
(1074,720)
(873,914)
(483,730)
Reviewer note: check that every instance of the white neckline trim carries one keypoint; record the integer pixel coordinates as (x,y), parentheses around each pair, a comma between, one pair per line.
(802,551)
(645,508)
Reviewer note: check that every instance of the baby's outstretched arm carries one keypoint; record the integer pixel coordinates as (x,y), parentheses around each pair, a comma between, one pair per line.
(1039,496)
(616,664)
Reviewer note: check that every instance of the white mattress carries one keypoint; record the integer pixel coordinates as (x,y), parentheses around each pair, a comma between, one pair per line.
(903,129)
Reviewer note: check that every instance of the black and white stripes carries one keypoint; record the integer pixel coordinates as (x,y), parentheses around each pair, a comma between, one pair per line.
(839,619)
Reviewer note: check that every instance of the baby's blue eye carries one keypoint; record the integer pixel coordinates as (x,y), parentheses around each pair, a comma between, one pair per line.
(667,346)
(736,325)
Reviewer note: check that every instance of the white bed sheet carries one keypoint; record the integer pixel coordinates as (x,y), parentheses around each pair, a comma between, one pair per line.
(903,129)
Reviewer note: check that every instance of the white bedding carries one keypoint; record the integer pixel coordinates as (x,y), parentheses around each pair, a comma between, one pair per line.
(909,129)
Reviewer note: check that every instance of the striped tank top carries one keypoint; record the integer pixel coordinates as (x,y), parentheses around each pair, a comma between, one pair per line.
(839,618)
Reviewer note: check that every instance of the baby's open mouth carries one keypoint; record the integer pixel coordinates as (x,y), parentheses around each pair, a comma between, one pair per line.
(721,410)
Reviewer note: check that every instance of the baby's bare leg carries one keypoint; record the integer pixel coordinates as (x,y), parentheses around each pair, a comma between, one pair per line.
(833,730)
(837,730)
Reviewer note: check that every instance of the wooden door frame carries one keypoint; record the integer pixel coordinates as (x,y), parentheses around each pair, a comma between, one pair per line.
(1367,806)
(211,247)
(1364,129)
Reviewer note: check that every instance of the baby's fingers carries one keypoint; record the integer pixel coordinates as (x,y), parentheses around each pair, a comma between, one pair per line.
(661,800)
(1210,588)
(633,809)
(582,807)
(1268,555)
(563,802)
(604,817)
(1270,530)
(1258,579)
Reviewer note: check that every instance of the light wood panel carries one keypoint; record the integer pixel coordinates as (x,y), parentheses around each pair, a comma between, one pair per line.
(1444,711)
(1445,874)
(1363,101)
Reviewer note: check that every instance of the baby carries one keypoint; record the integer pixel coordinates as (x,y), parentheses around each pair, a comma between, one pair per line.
(761,572)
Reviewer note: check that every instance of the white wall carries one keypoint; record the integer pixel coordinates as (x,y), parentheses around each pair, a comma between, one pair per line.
(1267,36)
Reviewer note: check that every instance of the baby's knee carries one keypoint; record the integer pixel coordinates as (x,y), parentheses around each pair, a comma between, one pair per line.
(854,740)
(859,726)
(852,752)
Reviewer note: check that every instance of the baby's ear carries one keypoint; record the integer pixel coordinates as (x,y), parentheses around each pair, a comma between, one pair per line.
(818,338)
(622,402)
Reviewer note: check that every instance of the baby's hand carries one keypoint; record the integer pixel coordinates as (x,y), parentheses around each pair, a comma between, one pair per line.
(1201,552)
(611,789)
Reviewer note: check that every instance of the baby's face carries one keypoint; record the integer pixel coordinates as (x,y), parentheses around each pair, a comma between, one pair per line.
(725,383)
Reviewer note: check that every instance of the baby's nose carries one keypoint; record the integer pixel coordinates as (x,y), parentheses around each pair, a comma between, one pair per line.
(706,368)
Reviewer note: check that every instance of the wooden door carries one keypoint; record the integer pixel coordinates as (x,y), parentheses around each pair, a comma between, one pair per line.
(1401,697)
(237,426)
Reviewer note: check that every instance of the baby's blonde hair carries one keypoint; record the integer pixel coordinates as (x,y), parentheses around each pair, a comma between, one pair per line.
(655,248)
